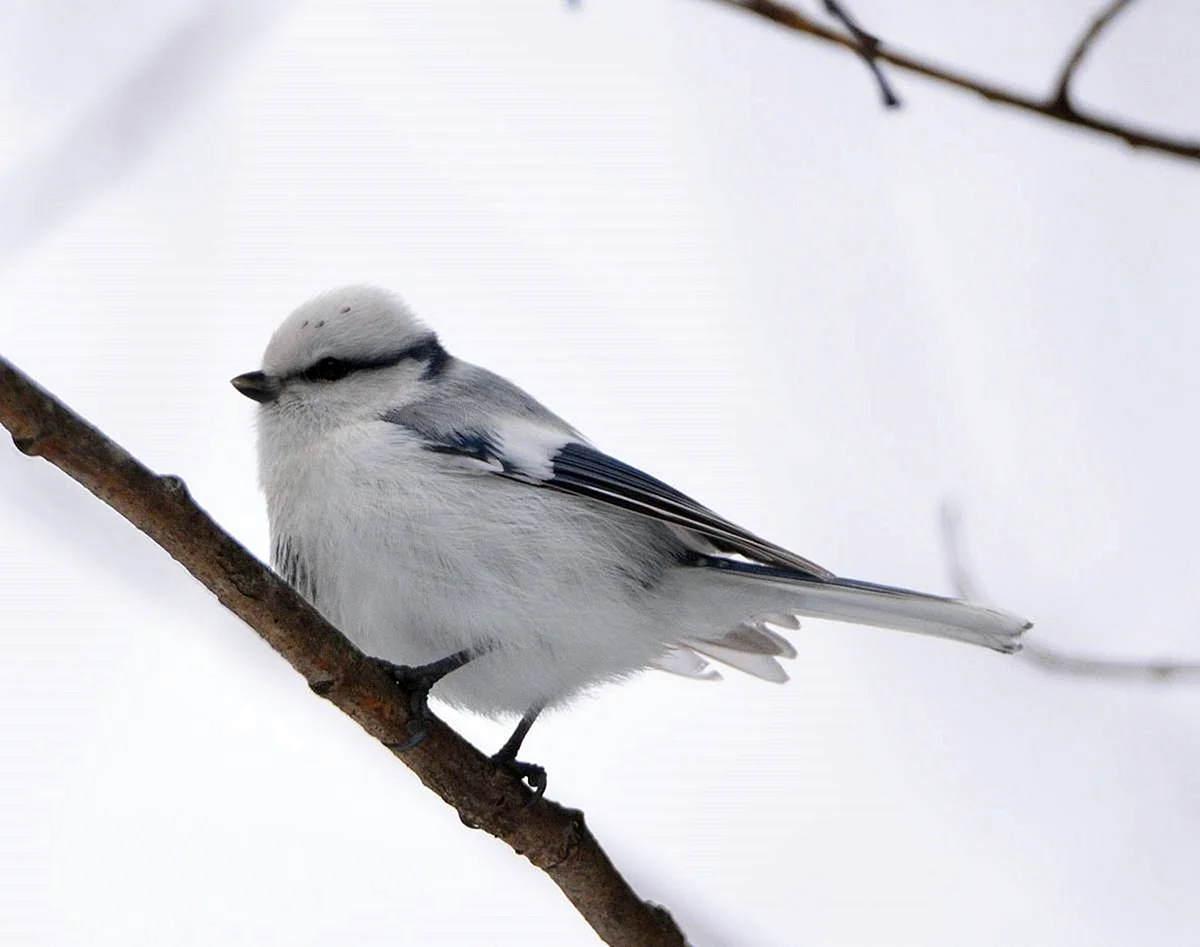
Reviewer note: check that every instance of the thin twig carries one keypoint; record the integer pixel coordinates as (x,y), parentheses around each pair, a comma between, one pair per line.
(1062,93)
(553,838)
(1049,659)
(1060,662)
(1133,136)
(962,580)
(868,49)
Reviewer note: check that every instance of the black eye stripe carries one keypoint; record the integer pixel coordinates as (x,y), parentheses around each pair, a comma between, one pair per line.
(327,369)
(333,369)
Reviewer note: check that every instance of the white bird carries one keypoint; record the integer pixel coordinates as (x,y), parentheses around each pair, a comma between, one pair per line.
(454,528)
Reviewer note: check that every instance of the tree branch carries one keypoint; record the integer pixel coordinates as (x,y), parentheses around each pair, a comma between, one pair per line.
(1049,659)
(552,837)
(1049,107)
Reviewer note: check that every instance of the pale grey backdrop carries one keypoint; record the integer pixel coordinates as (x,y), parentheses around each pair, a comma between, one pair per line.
(699,239)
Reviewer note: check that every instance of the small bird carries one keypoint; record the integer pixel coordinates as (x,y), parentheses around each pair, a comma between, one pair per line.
(465,536)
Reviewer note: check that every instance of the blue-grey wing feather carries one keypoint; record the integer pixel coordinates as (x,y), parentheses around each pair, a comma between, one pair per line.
(467,415)
(469,402)
(583,470)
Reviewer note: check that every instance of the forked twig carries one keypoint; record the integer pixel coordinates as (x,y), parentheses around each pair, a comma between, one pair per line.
(1047,107)
(868,49)
(1062,92)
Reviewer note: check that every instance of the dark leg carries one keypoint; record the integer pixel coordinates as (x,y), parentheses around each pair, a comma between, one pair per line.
(419,680)
(506,758)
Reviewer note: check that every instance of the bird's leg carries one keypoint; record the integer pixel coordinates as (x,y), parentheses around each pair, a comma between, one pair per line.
(419,680)
(506,757)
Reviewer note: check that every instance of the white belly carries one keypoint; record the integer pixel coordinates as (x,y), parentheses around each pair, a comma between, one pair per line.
(559,595)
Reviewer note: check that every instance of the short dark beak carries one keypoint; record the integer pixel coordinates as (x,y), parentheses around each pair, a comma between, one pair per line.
(258,386)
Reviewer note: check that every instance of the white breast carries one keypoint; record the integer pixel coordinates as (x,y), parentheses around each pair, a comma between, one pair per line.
(415,555)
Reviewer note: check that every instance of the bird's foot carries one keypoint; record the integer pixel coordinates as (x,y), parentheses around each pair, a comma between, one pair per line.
(530,773)
(418,681)
(506,757)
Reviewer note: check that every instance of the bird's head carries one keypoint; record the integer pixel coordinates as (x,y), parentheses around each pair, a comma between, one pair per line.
(345,355)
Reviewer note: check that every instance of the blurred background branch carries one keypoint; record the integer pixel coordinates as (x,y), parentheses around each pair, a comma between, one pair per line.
(962,580)
(1057,106)
(112,136)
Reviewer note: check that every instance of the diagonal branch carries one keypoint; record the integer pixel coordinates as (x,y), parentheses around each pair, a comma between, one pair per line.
(1132,135)
(962,581)
(1062,93)
(552,837)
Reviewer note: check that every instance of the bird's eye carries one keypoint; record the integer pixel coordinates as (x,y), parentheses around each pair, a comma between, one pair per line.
(327,369)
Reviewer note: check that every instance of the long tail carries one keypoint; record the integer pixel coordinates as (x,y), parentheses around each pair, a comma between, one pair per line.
(884,606)
(777,593)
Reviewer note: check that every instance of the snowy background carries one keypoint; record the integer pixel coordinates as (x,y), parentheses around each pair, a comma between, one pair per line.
(701,240)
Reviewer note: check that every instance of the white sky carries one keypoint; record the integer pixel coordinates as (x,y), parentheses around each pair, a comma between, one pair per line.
(700,240)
